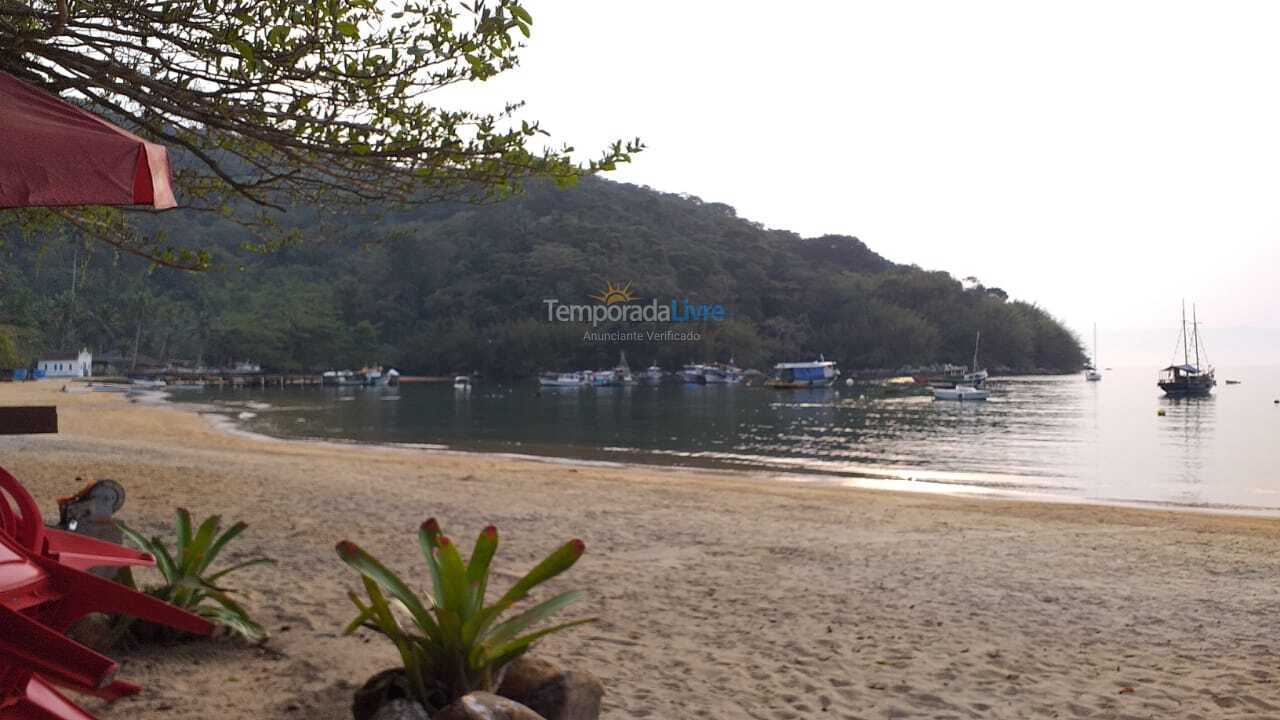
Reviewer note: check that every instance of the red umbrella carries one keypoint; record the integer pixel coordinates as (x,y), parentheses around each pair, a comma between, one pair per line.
(53,153)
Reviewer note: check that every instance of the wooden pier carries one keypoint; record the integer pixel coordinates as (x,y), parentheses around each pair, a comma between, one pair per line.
(240,380)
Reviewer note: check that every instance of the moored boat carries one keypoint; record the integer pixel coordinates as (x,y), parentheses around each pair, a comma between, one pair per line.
(1091,373)
(800,375)
(567,379)
(962,393)
(693,374)
(1188,379)
(960,383)
(722,374)
(652,375)
(618,376)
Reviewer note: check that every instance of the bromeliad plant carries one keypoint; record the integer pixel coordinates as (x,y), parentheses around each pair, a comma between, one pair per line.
(186,578)
(454,643)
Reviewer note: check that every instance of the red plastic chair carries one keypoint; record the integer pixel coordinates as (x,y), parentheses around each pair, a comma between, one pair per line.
(44,589)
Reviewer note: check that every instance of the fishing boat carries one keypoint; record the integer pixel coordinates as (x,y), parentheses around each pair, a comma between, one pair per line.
(819,373)
(569,379)
(1188,379)
(1091,370)
(963,386)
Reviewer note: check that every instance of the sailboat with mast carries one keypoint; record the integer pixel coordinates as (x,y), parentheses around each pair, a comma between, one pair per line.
(1187,379)
(963,385)
(1091,372)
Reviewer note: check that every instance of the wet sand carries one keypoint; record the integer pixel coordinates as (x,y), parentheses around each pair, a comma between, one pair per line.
(720,594)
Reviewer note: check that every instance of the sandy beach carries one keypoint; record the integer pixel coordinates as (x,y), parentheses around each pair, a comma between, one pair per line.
(720,595)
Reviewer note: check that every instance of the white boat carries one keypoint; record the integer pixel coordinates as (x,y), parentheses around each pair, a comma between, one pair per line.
(652,375)
(341,378)
(620,375)
(1091,370)
(966,386)
(462,382)
(722,374)
(963,393)
(693,374)
(953,375)
(820,373)
(569,379)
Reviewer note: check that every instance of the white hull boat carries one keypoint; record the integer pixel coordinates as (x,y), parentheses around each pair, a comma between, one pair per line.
(961,393)
(575,379)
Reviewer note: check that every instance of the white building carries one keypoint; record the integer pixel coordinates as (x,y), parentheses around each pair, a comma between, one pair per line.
(66,365)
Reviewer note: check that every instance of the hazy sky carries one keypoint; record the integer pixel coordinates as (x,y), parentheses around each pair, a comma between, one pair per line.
(1103,159)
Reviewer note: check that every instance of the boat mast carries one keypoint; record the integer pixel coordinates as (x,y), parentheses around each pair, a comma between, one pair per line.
(1095,346)
(1185,360)
(1195,331)
(976,339)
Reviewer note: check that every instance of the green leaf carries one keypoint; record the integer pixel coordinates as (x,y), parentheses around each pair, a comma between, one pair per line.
(239,566)
(368,566)
(348,29)
(557,562)
(454,574)
(505,631)
(517,647)
(428,537)
(222,541)
(244,48)
(478,566)
(183,531)
(194,560)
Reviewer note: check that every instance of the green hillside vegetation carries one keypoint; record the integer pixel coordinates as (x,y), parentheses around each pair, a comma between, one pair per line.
(456,288)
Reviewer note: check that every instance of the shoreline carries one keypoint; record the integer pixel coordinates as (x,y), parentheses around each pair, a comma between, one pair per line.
(871,478)
(720,594)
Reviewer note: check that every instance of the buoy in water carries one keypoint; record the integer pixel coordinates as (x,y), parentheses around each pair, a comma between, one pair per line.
(1160,413)
(848,382)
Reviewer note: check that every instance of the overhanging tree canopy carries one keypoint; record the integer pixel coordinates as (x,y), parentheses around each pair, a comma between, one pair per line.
(278,102)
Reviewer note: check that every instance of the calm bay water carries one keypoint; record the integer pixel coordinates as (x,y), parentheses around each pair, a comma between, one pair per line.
(1050,436)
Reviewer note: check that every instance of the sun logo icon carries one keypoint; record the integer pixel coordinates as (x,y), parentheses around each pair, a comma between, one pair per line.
(614,294)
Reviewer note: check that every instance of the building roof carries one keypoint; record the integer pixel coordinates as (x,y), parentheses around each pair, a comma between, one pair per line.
(58,356)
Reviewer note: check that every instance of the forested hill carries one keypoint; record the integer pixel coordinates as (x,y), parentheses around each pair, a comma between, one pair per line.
(449,288)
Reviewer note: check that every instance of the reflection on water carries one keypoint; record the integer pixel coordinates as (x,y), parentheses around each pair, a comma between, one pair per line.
(1053,436)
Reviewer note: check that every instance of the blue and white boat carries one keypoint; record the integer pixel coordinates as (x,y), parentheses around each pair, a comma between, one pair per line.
(819,373)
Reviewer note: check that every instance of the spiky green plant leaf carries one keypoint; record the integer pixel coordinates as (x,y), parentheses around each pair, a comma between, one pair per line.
(459,645)
(185,578)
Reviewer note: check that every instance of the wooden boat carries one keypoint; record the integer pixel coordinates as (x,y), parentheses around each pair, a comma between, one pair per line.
(1188,379)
